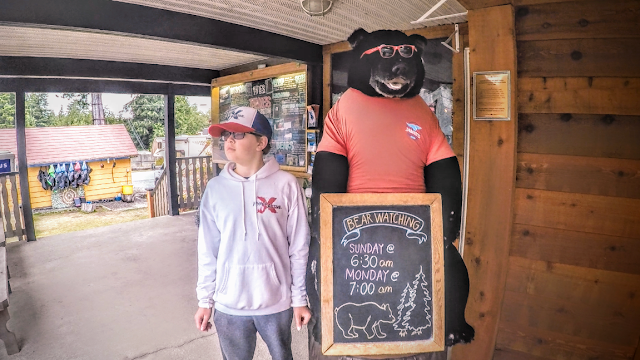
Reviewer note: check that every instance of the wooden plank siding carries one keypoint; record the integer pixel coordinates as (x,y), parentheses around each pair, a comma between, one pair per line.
(607,176)
(103,183)
(40,198)
(610,136)
(578,20)
(573,284)
(579,57)
(492,159)
(578,248)
(579,95)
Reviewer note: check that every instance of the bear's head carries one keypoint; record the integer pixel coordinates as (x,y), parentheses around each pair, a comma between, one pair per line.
(386,63)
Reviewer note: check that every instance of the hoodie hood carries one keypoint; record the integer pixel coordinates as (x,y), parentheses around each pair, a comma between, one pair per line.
(269,168)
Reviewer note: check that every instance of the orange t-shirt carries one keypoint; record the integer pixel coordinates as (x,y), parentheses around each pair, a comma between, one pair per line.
(387,142)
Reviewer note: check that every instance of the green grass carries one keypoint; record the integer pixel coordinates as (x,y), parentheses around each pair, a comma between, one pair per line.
(67,221)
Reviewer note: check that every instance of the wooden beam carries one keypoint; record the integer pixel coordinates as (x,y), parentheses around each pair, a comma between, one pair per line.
(481,4)
(80,68)
(563,317)
(595,251)
(25,195)
(606,176)
(610,136)
(259,74)
(538,2)
(120,17)
(492,159)
(551,345)
(579,57)
(579,95)
(100,86)
(578,20)
(170,155)
(595,214)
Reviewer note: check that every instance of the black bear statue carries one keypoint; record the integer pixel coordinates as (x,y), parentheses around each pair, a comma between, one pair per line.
(382,137)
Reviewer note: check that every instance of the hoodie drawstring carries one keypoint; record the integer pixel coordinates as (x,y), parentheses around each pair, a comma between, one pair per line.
(244,226)
(255,211)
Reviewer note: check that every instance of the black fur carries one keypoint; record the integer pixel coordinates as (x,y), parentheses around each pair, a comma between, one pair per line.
(368,74)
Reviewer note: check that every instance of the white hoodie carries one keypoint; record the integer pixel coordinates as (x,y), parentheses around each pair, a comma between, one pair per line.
(253,242)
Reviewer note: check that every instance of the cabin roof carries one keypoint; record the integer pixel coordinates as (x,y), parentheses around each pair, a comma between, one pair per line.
(49,145)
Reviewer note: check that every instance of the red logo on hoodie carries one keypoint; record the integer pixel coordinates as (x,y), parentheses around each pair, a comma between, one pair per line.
(266,205)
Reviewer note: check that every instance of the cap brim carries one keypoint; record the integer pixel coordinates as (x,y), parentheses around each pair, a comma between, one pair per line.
(217,129)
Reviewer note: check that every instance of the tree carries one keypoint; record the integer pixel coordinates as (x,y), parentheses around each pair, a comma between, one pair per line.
(7,110)
(399,324)
(37,110)
(421,319)
(189,121)
(148,118)
(147,111)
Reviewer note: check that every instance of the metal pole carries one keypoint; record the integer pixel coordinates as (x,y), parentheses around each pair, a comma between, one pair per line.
(170,153)
(22,166)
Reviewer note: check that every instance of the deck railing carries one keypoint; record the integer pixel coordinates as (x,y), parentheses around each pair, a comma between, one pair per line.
(192,175)
(157,198)
(11,210)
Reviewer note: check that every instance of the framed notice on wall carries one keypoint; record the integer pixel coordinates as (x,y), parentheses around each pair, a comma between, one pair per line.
(281,98)
(492,95)
(382,274)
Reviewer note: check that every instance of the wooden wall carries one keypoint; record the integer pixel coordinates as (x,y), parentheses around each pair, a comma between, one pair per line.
(573,283)
(103,184)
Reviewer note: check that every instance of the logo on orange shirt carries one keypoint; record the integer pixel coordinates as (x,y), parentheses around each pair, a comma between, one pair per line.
(412,129)
(266,205)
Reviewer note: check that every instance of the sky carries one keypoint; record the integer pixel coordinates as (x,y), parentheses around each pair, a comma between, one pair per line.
(115,102)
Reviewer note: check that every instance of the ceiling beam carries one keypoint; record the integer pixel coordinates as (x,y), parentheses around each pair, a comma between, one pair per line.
(481,4)
(100,86)
(56,67)
(108,15)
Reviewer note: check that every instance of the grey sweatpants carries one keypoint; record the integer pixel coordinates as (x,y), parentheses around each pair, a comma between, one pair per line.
(237,334)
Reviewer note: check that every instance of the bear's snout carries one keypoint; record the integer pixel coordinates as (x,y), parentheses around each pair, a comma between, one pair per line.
(399,69)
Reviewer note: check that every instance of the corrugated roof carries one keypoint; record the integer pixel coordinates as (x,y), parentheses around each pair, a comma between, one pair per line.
(49,145)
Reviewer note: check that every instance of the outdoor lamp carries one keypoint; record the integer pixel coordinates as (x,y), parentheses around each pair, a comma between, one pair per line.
(316,7)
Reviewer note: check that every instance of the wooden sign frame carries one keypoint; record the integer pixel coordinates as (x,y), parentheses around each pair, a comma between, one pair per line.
(328,202)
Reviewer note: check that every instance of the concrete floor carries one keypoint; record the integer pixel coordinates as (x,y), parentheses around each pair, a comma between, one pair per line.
(125,291)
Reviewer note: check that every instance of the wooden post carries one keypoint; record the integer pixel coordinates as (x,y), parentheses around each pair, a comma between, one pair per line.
(170,156)
(492,159)
(150,204)
(22,166)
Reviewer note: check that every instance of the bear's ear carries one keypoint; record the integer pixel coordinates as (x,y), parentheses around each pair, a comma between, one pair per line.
(419,41)
(356,37)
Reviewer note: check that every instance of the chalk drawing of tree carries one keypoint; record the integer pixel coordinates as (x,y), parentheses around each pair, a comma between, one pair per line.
(421,318)
(398,324)
(409,308)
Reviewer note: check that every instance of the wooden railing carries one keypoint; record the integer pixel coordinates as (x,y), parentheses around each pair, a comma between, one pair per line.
(192,175)
(157,198)
(10,207)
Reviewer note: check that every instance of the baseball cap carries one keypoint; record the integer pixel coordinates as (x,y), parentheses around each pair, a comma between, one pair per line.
(243,119)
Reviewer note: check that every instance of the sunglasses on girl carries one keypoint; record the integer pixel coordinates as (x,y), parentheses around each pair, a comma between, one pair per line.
(388,51)
(236,135)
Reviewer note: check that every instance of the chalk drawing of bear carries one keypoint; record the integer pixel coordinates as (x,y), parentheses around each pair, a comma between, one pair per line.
(366,316)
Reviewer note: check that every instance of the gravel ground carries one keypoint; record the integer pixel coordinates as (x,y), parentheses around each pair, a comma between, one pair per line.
(140,201)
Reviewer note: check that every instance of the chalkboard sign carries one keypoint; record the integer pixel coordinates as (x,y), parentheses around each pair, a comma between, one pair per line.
(382,274)
(282,100)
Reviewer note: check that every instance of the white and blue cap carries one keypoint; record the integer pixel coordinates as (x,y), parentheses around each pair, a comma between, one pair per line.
(243,119)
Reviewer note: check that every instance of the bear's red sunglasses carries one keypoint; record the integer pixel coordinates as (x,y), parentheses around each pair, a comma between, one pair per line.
(388,51)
